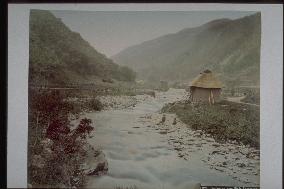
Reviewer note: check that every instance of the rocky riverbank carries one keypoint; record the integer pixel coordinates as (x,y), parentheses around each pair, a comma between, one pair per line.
(122,102)
(238,161)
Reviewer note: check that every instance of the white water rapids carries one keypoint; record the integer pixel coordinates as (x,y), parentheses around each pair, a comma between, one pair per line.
(139,157)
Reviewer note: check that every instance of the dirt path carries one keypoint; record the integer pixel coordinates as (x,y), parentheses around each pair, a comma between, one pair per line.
(238,100)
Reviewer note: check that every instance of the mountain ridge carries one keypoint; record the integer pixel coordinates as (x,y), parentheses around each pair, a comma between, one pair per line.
(60,56)
(231,48)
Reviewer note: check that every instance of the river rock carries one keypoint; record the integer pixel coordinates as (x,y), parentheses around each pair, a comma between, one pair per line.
(95,162)
(175,121)
(216,144)
(178,149)
(100,169)
(163,132)
(241,165)
(210,139)
(216,152)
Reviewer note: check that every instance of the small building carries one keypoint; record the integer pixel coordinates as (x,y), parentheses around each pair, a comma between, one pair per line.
(206,87)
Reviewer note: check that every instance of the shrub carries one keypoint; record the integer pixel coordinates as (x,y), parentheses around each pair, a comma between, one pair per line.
(58,164)
(95,104)
(83,128)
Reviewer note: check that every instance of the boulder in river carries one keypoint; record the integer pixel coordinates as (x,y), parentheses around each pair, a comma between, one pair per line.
(216,145)
(163,132)
(163,118)
(175,121)
(96,163)
(100,169)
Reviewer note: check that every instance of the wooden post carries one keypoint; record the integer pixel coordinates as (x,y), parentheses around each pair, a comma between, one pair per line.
(212,96)
(209,99)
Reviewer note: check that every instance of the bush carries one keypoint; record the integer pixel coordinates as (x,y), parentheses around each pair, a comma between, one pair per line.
(84,128)
(56,164)
(94,104)
(107,80)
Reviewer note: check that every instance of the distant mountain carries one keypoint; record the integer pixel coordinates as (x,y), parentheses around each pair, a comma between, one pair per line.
(230,48)
(60,56)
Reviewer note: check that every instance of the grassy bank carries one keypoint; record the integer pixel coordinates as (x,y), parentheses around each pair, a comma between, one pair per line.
(224,120)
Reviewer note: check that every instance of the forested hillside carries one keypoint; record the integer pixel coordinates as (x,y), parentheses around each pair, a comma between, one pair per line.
(231,48)
(60,56)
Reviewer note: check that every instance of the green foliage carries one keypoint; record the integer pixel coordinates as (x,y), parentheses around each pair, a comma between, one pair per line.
(95,104)
(224,121)
(85,126)
(127,74)
(55,152)
(89,104)
(60,56)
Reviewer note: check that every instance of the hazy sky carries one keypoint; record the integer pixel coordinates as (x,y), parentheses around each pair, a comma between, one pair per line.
(111,32)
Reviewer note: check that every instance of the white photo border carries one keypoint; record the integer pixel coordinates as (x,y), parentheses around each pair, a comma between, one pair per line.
(271,78)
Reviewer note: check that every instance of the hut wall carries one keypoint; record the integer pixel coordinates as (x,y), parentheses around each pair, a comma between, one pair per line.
(202,94)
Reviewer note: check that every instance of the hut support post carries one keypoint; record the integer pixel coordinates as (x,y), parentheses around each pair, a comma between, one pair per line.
(212,97)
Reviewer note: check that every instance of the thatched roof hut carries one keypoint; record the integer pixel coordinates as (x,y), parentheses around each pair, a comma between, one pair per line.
(206,87)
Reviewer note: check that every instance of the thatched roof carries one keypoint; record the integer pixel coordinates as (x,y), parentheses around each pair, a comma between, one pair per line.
(206,79)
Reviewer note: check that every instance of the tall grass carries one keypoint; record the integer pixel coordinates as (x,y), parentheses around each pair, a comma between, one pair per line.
(224,121)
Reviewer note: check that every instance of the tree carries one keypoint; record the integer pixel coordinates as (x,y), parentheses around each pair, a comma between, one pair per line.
(127,73)
(48,107)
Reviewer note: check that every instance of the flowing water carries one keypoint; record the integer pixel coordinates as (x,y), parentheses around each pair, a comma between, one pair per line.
(139,157)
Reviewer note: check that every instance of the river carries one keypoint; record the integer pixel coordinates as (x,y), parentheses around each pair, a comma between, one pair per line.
(139,157)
